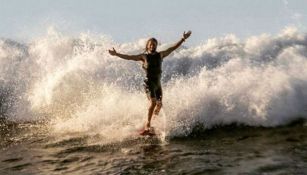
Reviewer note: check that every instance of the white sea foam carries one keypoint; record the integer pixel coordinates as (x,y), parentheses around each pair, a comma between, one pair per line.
(79,87)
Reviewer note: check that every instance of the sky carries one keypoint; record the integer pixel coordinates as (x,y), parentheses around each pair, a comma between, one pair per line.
(130,20)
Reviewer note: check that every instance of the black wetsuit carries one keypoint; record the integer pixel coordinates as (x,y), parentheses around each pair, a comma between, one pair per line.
(153,69)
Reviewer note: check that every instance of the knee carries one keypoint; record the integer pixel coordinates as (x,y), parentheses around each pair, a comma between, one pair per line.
(153,102)
(159,103)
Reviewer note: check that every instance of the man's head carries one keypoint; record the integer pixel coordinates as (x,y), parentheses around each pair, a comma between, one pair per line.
(151,45)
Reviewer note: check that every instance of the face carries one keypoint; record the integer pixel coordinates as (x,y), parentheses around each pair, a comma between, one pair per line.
(152,46)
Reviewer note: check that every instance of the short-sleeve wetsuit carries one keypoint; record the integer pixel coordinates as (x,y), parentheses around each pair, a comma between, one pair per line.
(153,69)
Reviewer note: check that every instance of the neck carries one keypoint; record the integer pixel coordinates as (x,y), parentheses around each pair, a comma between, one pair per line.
(151,52)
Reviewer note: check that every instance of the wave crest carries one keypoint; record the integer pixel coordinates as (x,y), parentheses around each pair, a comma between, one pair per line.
(76,84)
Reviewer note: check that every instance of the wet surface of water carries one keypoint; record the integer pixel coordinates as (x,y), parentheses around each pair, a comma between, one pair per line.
(28,149)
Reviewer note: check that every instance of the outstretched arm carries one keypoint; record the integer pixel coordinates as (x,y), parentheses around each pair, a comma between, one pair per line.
(171,49)
(126,57)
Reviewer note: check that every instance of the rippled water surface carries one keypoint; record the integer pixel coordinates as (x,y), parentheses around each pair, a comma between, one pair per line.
(30,149)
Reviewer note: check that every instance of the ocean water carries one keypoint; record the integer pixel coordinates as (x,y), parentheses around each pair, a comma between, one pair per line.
(230,106)
(31,149)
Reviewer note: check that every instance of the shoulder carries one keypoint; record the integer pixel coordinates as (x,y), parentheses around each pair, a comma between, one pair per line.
(161,54)
(143,56)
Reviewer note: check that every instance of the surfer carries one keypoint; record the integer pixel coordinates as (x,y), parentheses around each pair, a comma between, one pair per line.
(152,64)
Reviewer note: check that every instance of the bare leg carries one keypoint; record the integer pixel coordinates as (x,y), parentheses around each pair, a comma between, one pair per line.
(150,112)
(159,95)
(158,107)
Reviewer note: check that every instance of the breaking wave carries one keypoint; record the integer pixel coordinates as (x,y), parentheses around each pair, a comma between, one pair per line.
(75,85)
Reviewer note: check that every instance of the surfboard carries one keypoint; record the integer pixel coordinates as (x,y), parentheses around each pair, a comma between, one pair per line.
(150,132)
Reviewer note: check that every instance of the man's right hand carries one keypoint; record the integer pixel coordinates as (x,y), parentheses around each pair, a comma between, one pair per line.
(112,52)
